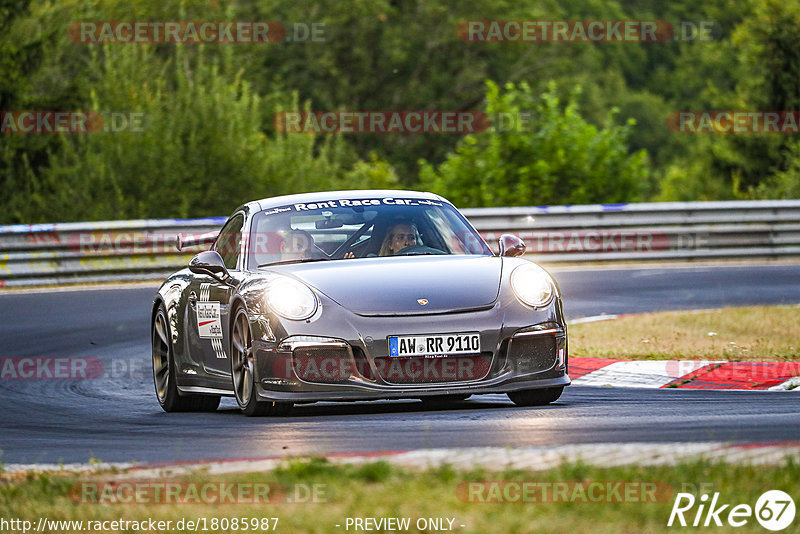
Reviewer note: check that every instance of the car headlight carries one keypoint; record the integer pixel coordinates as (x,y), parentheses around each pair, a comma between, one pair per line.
(291,299)
(532,285)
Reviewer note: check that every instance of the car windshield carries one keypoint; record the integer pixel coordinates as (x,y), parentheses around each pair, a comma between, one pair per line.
(359,228)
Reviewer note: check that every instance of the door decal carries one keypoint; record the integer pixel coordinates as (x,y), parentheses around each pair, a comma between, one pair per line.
(209,323)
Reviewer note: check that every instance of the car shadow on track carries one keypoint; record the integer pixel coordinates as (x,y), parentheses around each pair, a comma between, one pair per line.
(397,407)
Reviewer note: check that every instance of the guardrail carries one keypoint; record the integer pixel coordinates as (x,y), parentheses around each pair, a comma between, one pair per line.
(44,254)
(649,231)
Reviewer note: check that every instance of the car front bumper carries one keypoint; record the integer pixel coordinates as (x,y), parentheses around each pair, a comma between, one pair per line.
(529,351)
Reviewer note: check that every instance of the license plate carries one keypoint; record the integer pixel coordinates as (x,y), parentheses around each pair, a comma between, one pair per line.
(435,345)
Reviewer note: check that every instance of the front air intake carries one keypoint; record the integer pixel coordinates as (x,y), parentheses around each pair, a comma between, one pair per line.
(533,354)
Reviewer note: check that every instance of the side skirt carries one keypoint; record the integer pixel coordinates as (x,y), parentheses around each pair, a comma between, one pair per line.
(205,391)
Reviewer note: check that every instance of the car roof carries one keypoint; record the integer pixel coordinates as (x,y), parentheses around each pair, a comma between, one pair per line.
(267,203)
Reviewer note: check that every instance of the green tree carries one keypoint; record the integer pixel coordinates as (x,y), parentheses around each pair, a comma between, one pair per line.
(200,149)
(21,53)
(389,55)
(766,50)
(561,159)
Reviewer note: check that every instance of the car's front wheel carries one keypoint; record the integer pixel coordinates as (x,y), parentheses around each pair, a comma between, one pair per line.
(243,371)
(535,397)
(164,373)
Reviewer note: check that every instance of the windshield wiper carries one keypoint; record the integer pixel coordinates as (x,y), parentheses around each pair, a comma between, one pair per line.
(286,262)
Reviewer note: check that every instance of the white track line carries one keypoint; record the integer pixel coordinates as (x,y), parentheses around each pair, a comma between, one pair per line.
(793,384)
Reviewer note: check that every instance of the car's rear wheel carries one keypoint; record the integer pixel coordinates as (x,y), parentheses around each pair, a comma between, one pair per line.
(243,371)
(535,397)
(164,373)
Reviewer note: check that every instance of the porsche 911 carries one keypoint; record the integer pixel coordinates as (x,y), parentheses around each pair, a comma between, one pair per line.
(355,295)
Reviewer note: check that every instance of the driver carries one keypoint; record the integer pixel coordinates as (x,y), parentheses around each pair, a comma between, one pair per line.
(298,245)
(399,236)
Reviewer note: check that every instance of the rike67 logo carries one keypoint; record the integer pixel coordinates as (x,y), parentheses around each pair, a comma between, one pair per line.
(774,510)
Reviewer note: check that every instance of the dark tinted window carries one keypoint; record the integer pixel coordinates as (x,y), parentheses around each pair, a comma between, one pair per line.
(342,228)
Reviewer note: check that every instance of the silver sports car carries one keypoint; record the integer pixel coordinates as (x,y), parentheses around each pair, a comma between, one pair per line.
(355,295)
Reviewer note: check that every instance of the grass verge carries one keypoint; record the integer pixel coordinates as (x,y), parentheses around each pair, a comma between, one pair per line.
(762,333)
(380,490)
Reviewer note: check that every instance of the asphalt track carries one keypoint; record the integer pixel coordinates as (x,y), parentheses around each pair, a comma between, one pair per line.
(116,417)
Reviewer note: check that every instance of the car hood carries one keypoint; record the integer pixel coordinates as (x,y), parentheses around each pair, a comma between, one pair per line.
(405,285)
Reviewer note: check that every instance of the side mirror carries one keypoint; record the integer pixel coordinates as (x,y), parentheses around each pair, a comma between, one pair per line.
(209,262)
(511,245)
